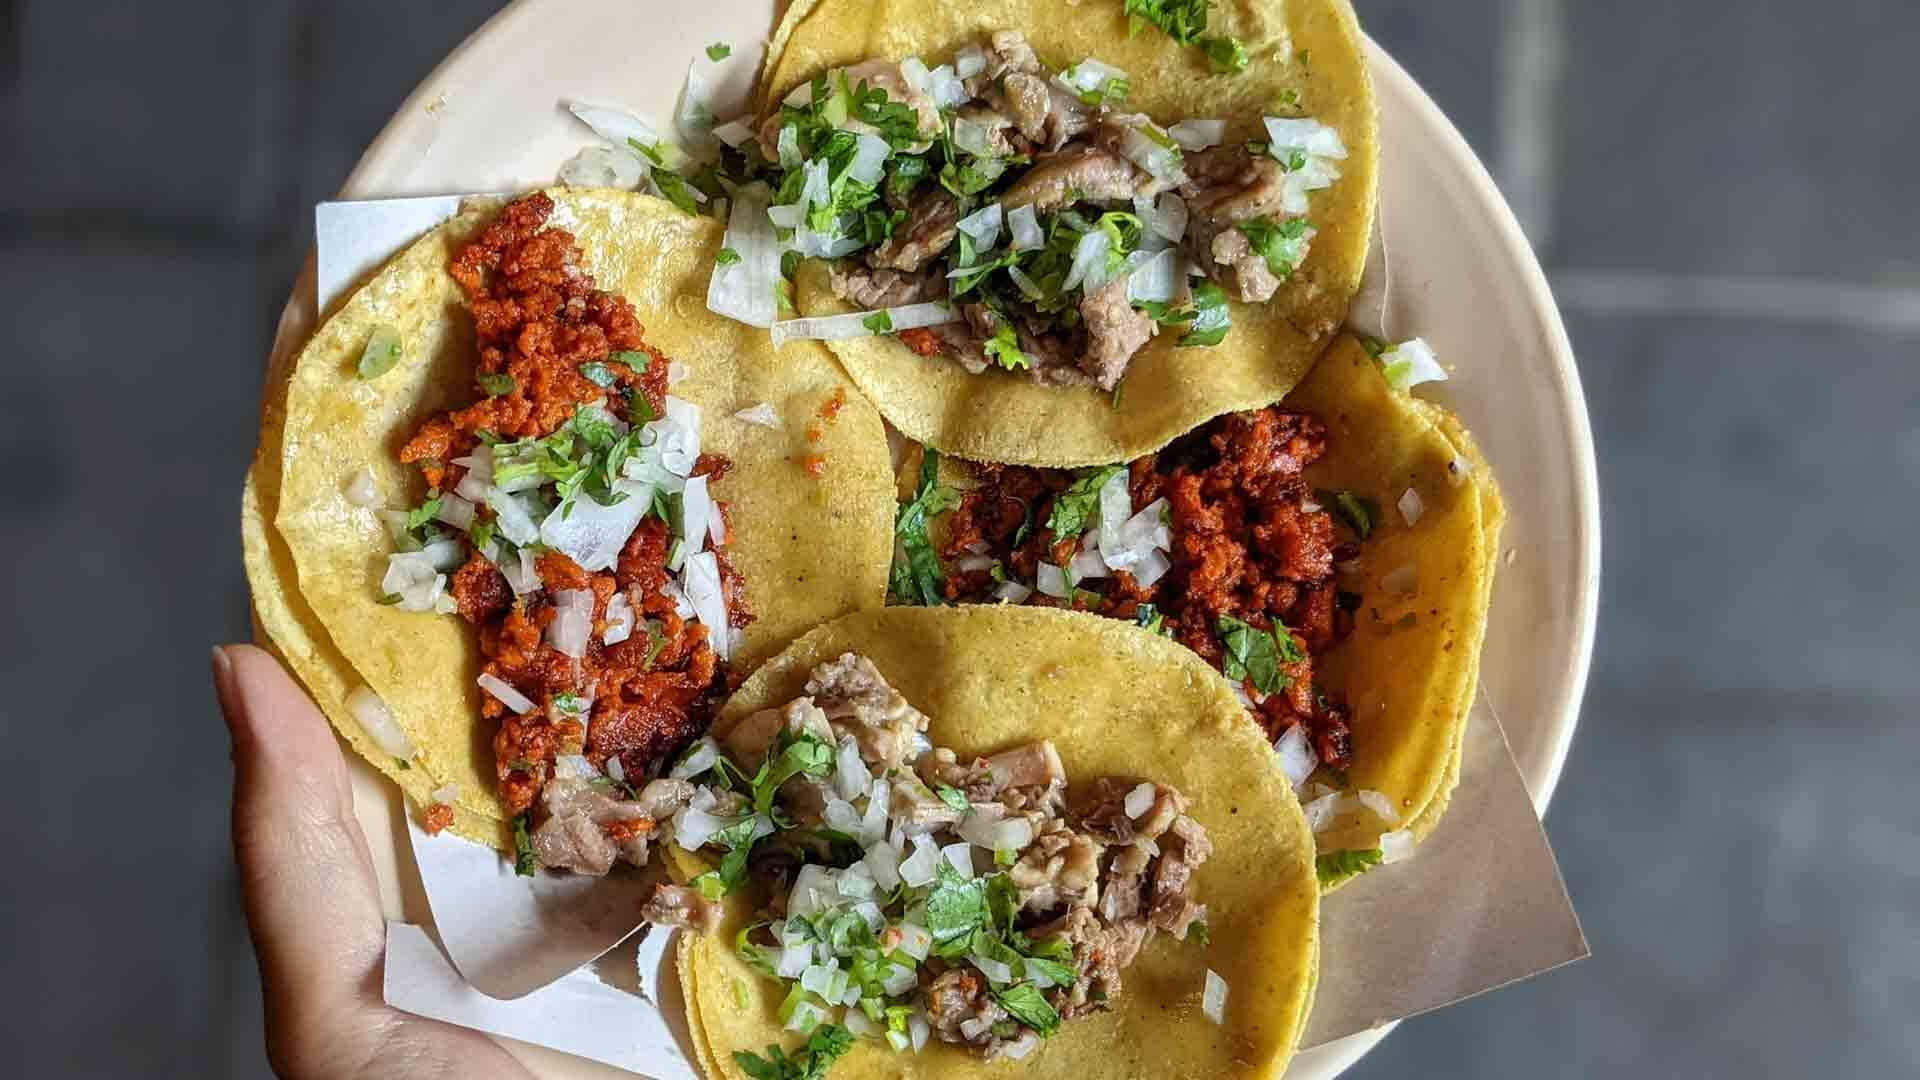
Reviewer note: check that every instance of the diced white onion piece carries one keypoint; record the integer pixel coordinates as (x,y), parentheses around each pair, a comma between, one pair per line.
(572,621)
(973,564)
(854,323)
(704,754)
(1052,581)
(735,133)
(851,776)
(1411,363)
(1401,581)
(449,794)
(1007,834)
(1321,811)
(1213,1000)
(913,71)
(505,694)
(983,225)
(455,511)
(473,487)
(840,815)
(861,1027)
(1025,226)
(623,129)
(693,826)
(378,722)
(1020,1047)
(869,159)
(919,1028)
(444,555)
(1151,568)
(361,488)
(873,823)
(1304,134)
(1411,507)
(1198,134)
(574,767)
(1160,278)
(974,1026)
(411,577)
(762,414)
(1087,564)
(883,862)
(1381,806)
(787,146)
(900,979)
(1397,845)
(973,137)
(522,575)
(603,167)
(1297,759)
(960,857)
(945,87)
(709,603)
(969,61)
(921,867)
(1168,217)
(794,960)
(1089,267)
(1012,592)
(748,291)
(619,620)
(695,506)
(817,978)
(1140,800)
(1089,75)
(1159,161)
(593,535)
(915,940)
(813,891)
(694,119)
(1136,537)
(997,972)
(515,523)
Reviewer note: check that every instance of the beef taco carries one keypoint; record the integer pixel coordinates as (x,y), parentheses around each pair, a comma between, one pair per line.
(988,841)
(1333,555)
(1045,232)
(524,512)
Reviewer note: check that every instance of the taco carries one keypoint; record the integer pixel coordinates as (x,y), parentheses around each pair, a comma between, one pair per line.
(524,512)
(1333,555)
(1014,193)
(999,851)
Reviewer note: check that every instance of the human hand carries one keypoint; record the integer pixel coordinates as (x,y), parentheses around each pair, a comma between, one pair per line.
(312,901)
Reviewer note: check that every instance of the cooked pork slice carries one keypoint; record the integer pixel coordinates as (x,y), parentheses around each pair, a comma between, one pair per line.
(869,288)
(962,345)
(1036,764)
(573,833)
(1240,269)
(999,129)
(857,701)
(1183,849)
(1115,331)
(678,905)
(1100,952)
(1225,186)
(1047,115)
(1125,885)
(928,231)
(1060,869)
(1007,50)
(1073,174)
(918,808)
(960,1009)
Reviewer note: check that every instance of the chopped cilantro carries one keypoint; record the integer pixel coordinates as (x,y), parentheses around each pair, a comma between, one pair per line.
(710,885)
(674,187)
(523,861)
(1199,934)
(497,384)
(598,374)
(402,764)
(825,1046)
(639,409)
(381,354)
(1289,99)
(879,322)
(1357,512)
(719,51)
(906,174)
(423,513)
(1079,506)
(1152,620)
(1029,1006)
(727,257)
(953,797)
(1208,315)
(917,577)
(388,599)
(1004,348)
(1282,245)
(1225,55)
(1334,867)
(1255,655)
(957,906)
(1183,20)
(633,358)
(650,151)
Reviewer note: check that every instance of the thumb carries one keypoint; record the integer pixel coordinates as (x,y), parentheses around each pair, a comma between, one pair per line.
(305,872)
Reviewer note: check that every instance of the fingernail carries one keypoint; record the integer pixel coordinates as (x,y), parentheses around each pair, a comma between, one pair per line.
(223,682)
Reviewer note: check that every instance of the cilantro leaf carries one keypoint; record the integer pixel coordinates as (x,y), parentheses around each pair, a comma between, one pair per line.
(1357,512)
(917,577)
(598,374)
(957,906)
(727,257)
(1225,55)
(1334,867)
(825,1046)
(1079,506)
(633,358)
(423,513)
(1183,20)
(1282,245)
(1029,1006)
(524,862)
(719,51)
(674,187)
(498,384)
(1004,347)
(879,322)
(1252,655)
(953,797)
(383,351)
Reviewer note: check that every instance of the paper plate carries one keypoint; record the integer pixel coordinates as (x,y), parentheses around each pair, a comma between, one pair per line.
(1463,277)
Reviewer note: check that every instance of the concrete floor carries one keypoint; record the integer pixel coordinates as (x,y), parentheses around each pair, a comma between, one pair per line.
(1721,191)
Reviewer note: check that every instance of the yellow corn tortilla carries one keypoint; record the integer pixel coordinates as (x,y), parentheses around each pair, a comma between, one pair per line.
(809,548)
(1309,46)
(1114,702)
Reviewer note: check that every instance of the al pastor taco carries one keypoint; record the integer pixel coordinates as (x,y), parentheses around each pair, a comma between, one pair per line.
(524,512)
(990,846)
(1333,555)
(1034,234)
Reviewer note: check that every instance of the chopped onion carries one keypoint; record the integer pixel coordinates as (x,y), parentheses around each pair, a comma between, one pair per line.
(794,960)
(444,555)
(411,577)
(945,87)
(1167,217)
(915,940)
(748,291)
(974,564)
(1089,268)
(504,693)
(851,776)
(1012,592)
(883,862)
(1411,507)
(1213,1001)
(1381,806)
(449,794)
(873,824)
(735,133)
(860,1027)
(1198,134)
(1401,581)
(1151,568)
(1137,537)
(522,575)
(378,722)
(362,490)
(1159,161)
(913,71)
(693,826)
(1020,1047)
(997,972)
(960,857)
(515,523)
(1090,75)
(975,1026)
(1305,134)
(983,225)
(1297,759)
(969,61)
(572,621)
(1395,846)
(1052,581)
(704,754)
(619,619)
(900,979)
(869,159)
(1411,363)
(455,511)
(694,119)
(593,535)
(1140,800)
(695,505)
(574,767)
(1025,226)
(603,167)
(1008,834)
(854,323)
(1160,278)
(1087,564)
(919,1028)
(921,867)
(762,414)
(973,137)
(624,130)
(1321,811)
(702,579)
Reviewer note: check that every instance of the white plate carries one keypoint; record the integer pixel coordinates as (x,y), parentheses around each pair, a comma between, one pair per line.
(1464,278)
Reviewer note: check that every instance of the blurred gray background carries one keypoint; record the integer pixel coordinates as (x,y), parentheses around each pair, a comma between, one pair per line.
(1723,194)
